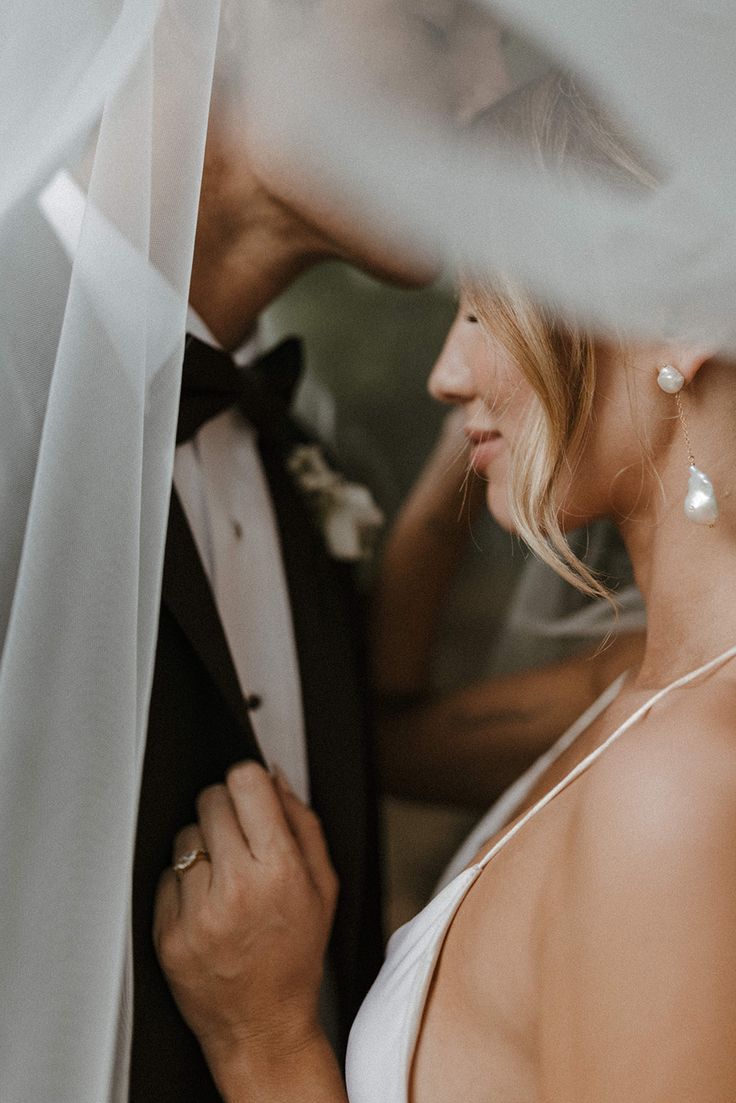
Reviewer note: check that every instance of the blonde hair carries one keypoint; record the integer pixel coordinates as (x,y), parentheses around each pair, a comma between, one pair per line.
(557,126)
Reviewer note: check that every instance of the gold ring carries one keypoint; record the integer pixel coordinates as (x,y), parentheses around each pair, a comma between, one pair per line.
(188,861)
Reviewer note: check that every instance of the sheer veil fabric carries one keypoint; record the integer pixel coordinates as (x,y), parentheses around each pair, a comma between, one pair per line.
(91,339)
(662,262)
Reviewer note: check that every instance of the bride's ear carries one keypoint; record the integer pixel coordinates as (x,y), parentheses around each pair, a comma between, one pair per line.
(689,359)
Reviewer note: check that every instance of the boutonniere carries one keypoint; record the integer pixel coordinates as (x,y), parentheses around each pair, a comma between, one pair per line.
(345,512)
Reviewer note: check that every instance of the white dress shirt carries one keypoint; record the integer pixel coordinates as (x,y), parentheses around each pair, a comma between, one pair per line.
(222,486)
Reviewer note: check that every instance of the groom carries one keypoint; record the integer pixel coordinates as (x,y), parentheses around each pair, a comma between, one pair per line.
(259,651)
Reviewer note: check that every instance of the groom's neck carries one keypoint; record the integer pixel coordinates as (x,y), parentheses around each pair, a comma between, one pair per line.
(249,247)
(231,290)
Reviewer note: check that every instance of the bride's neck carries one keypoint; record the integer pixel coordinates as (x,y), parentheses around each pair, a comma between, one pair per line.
(686,571)
(686,574)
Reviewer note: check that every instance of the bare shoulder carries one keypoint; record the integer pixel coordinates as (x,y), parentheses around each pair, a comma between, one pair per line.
(668,786)
(648,915)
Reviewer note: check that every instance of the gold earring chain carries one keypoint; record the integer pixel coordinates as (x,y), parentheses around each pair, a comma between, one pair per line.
(683,423)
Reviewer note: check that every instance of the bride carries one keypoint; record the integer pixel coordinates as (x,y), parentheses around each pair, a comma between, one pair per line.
(587,951)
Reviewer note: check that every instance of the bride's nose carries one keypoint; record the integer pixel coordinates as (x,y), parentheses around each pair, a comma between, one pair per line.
(451,379)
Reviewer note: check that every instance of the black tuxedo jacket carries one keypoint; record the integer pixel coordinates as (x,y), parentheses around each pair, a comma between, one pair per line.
(199,726)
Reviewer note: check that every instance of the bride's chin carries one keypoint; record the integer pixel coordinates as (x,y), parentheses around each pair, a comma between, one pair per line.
(498,506)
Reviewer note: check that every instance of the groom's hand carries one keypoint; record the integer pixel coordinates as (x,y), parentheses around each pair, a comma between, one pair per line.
(241,931)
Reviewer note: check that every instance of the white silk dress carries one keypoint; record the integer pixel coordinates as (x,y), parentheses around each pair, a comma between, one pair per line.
(385,1032)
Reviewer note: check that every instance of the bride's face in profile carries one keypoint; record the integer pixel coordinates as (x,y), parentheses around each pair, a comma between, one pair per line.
(476,372)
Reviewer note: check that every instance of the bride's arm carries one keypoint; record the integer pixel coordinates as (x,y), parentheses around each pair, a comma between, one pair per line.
(305,1075)
(466,747)
(308,1074)
(242,937)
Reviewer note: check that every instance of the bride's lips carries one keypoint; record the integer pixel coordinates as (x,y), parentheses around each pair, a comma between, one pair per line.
(485,444)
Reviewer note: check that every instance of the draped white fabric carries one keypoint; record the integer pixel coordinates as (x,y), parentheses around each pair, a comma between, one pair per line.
(91,336)
(664,263)
(90,356)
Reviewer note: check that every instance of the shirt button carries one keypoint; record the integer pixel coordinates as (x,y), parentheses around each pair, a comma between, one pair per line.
(238,530)
(253,702)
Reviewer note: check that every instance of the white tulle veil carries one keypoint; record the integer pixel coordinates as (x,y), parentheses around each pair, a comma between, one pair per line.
(91,336)
(90,355)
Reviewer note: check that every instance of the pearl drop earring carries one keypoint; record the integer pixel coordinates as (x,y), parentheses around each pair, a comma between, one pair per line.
(701,506)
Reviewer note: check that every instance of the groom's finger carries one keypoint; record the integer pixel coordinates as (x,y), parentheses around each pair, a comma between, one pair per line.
(260,813)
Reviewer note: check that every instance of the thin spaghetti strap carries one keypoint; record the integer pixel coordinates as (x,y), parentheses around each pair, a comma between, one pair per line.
(588,761)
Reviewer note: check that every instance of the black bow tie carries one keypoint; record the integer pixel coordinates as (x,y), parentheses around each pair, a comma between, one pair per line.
(213,382)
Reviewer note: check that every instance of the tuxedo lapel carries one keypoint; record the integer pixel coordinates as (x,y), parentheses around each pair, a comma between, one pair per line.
(198,728)
(317,587)
(187,594)
(327,628)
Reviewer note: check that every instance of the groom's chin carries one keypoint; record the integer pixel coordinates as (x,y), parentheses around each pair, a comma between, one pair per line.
(411,271)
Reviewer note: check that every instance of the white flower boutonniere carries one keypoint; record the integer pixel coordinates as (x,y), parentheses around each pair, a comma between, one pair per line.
(346,513)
